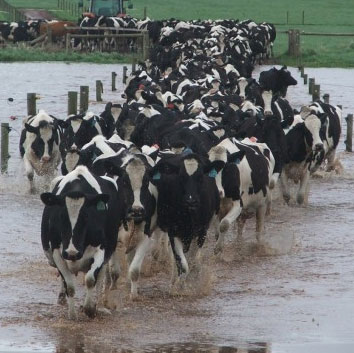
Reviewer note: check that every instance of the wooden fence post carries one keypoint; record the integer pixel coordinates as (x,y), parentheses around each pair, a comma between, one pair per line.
(114,75)
(5,129)
(49,34)
(311,84)
(316,91)
(134,65)
(72,103)
(67,42)
(302,71)
(145,11)
(303,17)
(146,45)
(31,104)
(125,70)
(99,90)
(305,79)
(84,98)
(349,139)
(294,42)
(287,17)
(326,98)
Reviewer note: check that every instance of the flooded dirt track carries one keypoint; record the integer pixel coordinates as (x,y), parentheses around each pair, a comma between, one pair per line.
(301,299)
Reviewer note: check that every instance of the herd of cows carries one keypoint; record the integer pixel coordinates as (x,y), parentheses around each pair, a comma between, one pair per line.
(197,145)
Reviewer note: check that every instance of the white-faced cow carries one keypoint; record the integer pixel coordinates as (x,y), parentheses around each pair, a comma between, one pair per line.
(79,231)
(39,145)
(306,153)
(138,197)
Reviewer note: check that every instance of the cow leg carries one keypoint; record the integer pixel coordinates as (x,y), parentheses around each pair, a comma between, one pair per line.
(113,270)
(91,280)
(68,281)
(225,223)
(330,161)
(260,215)
(240,225)
(135,266)
(304,181)
(62,293)
(29,173)
(181,261)
(284,185)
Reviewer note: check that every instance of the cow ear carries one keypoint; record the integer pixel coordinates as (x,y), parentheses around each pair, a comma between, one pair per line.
(99,201)
(213,168)
(32,129)
(323,117)
(63,124)
(112,169)
(108,107)
(236,157)
(50,199)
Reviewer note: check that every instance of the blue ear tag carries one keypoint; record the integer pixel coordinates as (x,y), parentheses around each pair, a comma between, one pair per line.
(101,206)
(93,122)
(157,176)
(187,151)
(213,173)
(237,161)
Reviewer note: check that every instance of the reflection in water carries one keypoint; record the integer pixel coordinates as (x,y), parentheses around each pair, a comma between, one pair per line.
(82,344)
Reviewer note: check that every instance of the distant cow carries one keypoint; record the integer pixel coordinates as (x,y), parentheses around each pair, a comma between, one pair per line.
(277,80)
(39,145)
(79,231)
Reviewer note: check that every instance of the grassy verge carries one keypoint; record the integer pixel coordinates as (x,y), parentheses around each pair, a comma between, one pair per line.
(331,16)
(38,54)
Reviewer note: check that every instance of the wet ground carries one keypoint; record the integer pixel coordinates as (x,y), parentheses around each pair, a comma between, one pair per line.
(293,294)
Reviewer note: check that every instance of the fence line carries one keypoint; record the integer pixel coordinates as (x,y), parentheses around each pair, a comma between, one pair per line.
(12,13)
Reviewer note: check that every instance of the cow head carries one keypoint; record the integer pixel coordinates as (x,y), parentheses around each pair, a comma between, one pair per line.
(44,130)
(78,213)
(313,126)
(285,78)
(133,182)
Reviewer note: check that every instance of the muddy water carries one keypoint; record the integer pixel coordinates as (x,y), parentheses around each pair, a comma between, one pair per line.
(299,300)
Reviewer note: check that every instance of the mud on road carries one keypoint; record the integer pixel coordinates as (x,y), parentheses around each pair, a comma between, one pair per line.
(296,288)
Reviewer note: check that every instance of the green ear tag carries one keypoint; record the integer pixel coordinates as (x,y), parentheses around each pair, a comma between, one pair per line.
(101,206)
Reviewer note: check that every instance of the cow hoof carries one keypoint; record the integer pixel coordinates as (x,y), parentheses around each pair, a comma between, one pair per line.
(90,311)
(286,198)
(104,311)
(300,199)
(72,316)
(134,296)
(224,226)
(217,249)
(62,299)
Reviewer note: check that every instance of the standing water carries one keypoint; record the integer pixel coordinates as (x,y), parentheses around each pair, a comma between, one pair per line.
(299,301)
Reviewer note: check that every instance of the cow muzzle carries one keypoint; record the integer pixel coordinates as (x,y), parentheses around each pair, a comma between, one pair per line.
(71,255)
(318,147)
(136,214)
(192,204)
(45,159)
(268,112)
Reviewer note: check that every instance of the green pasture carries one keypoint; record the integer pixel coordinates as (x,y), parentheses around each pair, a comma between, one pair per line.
(323,16)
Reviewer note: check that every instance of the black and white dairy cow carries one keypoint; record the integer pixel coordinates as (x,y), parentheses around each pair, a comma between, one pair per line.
(243,184)
(306,152)
(331,128)
(188,200)
(39,145)
(277,81)
(138,197)
(79,231)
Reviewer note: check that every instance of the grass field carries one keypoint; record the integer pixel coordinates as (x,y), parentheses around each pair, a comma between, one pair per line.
(319,16)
